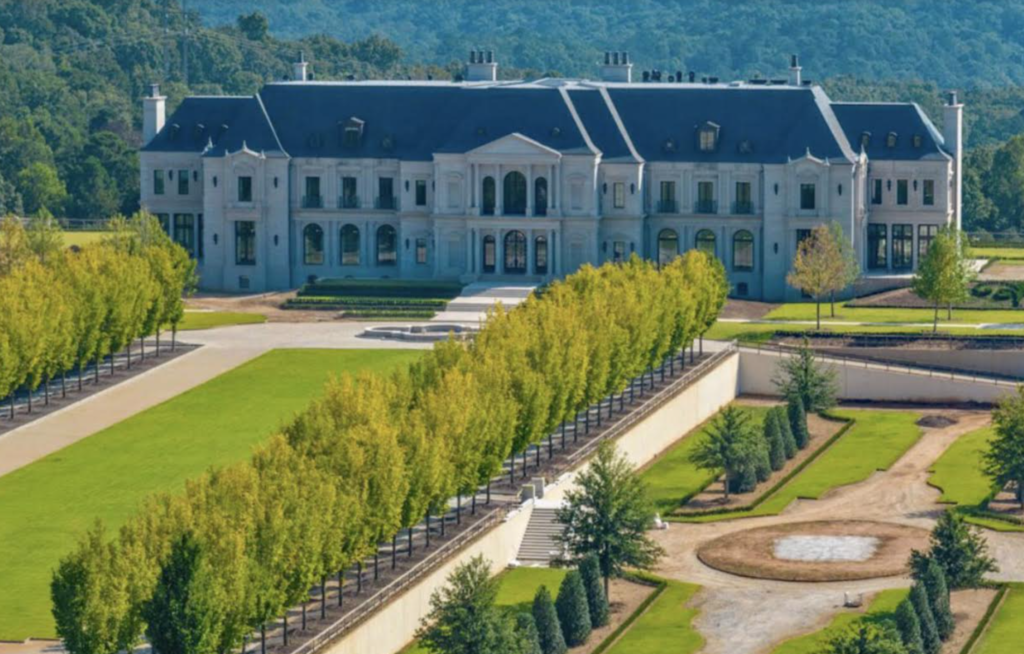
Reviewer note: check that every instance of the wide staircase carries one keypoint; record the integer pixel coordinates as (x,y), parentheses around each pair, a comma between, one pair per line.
(471,306)
(539,546)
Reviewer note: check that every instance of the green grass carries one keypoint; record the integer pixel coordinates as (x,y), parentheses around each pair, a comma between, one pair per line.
(806,311)
(45,506)
(763,333)
(876,440)
(996,253)
(672,479)
(209,319)
(666,626)
(882,608)
(81,239)
(516,588)
(1006,632)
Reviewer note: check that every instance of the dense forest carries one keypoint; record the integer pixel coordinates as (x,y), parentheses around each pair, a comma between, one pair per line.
(72,72)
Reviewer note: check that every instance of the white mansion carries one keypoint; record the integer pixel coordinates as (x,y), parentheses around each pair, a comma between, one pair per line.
(483,179)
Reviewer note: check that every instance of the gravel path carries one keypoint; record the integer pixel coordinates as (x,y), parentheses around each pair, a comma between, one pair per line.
(771,612)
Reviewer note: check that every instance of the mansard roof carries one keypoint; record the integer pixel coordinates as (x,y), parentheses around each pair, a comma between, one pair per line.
(879,119)
(621,122)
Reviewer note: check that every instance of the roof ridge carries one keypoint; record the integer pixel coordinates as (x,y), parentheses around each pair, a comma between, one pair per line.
(270,123)
(562,91)
(614,111)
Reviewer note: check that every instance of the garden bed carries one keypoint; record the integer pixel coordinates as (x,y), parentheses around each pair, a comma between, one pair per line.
(984,295)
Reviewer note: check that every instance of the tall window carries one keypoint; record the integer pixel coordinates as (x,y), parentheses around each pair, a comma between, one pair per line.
(489,254)
(515,252)
(618,251)
(385,192)
(807,197)
(706,241)
(928,193)
(902,193)
(706,198)
(245,243)
(514,200)
(540,255)
(744,198)
(350,245)
(182,182)
(876,192)
(878,247)
(668,246)
(312,198)
(708,137)
(490,198)
(743,251)
(245,188)
(421,251)
(421,192)
(667,197)
(185,232)
(158,182)
(925,235)
(902,247)
(387,246)
(313,245)
(619,195)
(540,196)
(349,197)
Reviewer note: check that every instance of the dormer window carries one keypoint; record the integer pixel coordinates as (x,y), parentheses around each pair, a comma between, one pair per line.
(865,140)
(708,137)
(352,132)
(917,140)
(890,140)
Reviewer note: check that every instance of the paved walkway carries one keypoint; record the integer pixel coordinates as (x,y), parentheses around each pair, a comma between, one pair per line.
(223,349)
(476,299)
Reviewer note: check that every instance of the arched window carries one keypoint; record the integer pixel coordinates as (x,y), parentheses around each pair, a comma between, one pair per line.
(540,255)
(743,251)
(515,252)
(387,246)
(313,245)
(540,196)
(514,200)
(490,197)
(706,241)
(350,245)
(668,246)
(489,254)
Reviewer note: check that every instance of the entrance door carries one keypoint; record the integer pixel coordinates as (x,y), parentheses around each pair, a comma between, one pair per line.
(515,253)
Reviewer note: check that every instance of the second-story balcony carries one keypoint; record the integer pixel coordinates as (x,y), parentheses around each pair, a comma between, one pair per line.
(349,202)
(667,206)
(312,202)
(705,206)
(742,208)
(386,203)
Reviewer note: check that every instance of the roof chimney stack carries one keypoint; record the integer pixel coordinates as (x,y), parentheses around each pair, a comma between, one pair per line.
(617,67)
(482,67)
(795,71)
(953,137)
(154,113)
(300,69)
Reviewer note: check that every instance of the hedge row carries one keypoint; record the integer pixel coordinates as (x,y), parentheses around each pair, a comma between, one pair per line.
(412,314)
(381,288)
(61,309)
(327,302)
(376,454)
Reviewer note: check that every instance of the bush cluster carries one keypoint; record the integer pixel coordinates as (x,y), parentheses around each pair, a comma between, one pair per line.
(378,453)
(61,309)
(783,434)
(924,619)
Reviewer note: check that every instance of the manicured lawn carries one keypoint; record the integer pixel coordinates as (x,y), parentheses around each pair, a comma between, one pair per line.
(996,253)
(805,311)
(876,440)
(210,319)
(46,506)
(81,239)
(958,474)
(1006,632)
(763,333)
(882,607)
(666,626)
(672,479)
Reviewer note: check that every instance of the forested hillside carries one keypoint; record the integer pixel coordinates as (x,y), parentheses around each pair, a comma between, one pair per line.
(962,43)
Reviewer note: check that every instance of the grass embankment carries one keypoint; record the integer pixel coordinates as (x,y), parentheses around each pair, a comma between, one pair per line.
(806,311)
(45,506)
(1005,633)
(764,332)
(1008,253)
(194,320)
(958,474)
(376,299)
(672,480)
(666,625)
(881,609)
(875,441)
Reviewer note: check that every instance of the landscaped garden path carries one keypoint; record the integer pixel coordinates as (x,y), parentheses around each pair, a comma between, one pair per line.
(746,616)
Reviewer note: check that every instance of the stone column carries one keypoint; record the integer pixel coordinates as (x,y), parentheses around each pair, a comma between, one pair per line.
(499,246)
(530,269)
(554,190)
(499,193)
(529,190)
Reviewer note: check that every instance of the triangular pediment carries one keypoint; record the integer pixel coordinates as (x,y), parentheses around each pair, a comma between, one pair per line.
(515,144)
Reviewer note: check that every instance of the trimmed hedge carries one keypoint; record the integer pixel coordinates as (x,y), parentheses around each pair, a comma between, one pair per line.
(381,288)
(413,314)
(318,301)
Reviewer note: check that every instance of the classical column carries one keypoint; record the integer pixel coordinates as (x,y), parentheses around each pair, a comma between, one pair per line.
(474,184)
(499,245)
(557,251)
(555,190)
(530,270)
(499,193)
(529,190)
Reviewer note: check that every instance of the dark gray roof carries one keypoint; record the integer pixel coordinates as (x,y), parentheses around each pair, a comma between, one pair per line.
(226,122)
(763,125)
(879,119)
(597,119)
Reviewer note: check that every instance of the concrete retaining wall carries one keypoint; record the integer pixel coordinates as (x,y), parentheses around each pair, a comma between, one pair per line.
(868,381)
(1008,363)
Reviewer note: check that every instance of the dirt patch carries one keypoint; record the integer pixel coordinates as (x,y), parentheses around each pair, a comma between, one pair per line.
(1006,504)
(747,309)
(626,597)
(713,497)
(936,421)
(969,608)
(905,298)
(267,304)
(751,553)
(1002,272)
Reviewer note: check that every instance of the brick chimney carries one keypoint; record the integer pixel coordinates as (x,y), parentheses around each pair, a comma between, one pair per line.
(154,114)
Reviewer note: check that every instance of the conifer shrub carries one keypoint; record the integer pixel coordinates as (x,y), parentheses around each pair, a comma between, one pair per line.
(573,612)
(909,627)
(929,632)
(545,617)
(526,634)
(773,438)
(590,571)
(788,441)
(798,422)
(934,581)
